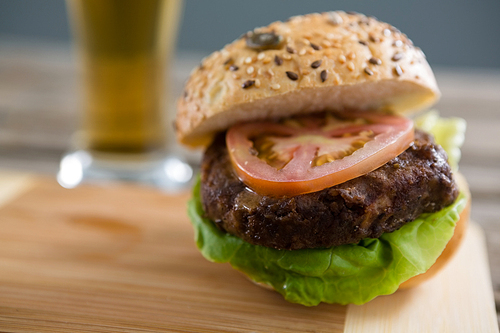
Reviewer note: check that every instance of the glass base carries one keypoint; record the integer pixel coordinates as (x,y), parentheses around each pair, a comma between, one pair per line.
(167,172)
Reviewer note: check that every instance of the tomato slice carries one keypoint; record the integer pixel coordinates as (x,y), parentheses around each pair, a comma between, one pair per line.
(310,153)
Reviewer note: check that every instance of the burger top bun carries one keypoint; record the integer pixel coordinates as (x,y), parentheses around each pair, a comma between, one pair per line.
(329,61)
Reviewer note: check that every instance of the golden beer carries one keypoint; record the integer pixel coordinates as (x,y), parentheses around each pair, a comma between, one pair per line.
(124,46)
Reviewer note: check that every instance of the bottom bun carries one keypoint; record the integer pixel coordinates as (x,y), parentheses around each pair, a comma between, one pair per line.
(452,246)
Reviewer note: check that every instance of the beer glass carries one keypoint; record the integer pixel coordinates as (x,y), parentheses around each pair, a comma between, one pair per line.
(123,49)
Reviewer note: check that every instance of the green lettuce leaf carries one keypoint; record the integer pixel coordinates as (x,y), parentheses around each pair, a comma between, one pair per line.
(448,132)
(353,273)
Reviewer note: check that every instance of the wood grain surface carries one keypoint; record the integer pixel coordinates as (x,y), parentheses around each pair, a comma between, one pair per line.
(121,258)
(456,300)
(39,107)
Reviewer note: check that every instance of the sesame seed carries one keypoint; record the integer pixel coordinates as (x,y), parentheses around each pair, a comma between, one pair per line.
(248,84)
(334,18)
(236,76)
(362,42)
(275,86)
(386,32)
(248,60)
(278,61)
(250,70)
(351,55)
(292,76)
(330,36)
(374,39)
(305,72)
(398,70)
(233,68)
(266,60)
(316,47)
(290,50)
(368,71)
(350,66)
(342,59)
(336,78)
(395,30)
(326,43)
(316,64)
(375,61)
(398,56)
(261,56)
(323,75)
(257,83)
(270,71)
(286,56)
(302,52)
(364,20)
(419,50)
(398,43)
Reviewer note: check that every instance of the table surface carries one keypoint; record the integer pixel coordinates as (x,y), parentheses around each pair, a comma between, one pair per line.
(39,108)
(121,258)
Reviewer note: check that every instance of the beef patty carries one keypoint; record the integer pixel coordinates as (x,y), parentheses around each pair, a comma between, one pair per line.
(417,181)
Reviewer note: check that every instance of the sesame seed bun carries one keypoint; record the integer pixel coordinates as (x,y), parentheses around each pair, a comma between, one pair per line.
(328,61)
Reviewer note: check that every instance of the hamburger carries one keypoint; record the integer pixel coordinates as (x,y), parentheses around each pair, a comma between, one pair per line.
(314,181)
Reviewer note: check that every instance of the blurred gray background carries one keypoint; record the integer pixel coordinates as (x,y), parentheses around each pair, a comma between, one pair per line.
(452,33)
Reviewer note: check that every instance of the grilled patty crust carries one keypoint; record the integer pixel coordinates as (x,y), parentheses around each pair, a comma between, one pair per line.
(417,181)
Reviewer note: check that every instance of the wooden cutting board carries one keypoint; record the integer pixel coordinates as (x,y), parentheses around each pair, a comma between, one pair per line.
(121,258)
